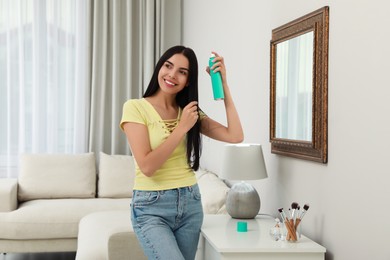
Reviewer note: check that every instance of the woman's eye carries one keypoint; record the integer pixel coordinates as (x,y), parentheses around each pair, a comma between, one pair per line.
(183,72)
(167,65)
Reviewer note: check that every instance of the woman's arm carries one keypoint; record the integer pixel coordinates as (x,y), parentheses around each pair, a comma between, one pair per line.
(148,160)
(232,133)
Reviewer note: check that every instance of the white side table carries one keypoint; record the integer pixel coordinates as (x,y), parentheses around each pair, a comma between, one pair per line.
(220,240)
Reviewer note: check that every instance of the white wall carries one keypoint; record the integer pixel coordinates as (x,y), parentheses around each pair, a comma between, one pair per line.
(348,197)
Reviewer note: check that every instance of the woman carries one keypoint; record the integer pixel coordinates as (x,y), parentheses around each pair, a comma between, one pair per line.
(164,133)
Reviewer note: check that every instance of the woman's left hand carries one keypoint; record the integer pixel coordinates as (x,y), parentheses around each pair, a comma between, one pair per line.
(219,65)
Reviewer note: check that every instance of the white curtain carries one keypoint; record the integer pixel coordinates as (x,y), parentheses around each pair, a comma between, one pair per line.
(67,67)
(128,38)
(44,96)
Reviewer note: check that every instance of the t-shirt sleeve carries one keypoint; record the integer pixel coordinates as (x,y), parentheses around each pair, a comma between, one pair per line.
(202,114)
(131,113)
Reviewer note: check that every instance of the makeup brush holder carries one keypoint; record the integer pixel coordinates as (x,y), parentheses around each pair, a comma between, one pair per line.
(293,230)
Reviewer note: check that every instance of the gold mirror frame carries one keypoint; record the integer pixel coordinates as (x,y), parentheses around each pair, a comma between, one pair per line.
(316,149)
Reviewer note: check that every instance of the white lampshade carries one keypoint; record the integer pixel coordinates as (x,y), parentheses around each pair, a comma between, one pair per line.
(243,162)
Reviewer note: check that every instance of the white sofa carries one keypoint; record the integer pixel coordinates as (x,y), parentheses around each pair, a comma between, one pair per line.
(41,210)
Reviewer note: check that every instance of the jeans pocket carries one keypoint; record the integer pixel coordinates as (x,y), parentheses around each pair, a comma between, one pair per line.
(195,192)
(145,198)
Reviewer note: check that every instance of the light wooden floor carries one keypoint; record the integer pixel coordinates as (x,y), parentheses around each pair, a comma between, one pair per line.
(39,256)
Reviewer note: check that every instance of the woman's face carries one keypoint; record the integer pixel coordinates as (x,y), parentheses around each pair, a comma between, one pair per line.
(173,75)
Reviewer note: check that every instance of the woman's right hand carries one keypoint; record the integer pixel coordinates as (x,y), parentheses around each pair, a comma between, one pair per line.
(189,116)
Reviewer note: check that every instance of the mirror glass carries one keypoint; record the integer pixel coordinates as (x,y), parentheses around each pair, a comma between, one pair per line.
(294,59)
(299,87)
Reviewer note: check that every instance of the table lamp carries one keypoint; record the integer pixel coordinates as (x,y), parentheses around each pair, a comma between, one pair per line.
(243,162)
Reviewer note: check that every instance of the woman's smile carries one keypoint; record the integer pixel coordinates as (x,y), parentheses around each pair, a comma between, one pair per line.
(169,83)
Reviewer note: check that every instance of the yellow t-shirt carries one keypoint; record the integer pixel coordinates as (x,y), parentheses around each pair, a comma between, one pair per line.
(175,172)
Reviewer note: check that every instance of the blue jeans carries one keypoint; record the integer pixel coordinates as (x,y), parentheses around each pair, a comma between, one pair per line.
(167,223)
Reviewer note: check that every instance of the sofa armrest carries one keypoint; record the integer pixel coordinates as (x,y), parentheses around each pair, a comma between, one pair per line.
(8,194)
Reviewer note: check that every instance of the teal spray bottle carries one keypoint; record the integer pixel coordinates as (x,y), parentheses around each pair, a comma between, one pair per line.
(216,81)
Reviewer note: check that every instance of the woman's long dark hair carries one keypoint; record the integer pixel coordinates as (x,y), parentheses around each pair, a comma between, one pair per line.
(185,96)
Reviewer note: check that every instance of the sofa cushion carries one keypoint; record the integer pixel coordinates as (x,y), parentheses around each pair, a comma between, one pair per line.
(116,176)
(214,192)
(53,218)
(50,176)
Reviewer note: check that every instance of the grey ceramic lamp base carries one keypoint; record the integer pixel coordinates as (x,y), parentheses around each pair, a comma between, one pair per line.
(243,201)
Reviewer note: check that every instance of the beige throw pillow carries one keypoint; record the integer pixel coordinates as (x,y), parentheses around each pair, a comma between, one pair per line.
(116,176)
(213,191)
(53,176)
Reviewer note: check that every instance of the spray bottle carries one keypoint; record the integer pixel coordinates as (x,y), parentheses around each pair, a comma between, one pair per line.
(216,81)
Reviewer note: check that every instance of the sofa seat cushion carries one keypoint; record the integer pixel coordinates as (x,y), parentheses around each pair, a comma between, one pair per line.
(55,218)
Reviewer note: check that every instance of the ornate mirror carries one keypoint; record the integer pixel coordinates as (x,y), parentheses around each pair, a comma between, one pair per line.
(299,87)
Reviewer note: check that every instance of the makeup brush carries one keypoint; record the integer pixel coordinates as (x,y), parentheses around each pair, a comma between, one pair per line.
(305,209)
(298,209)
(282,214)
(291,215)
(291,220)
(294,207)
(299,219)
